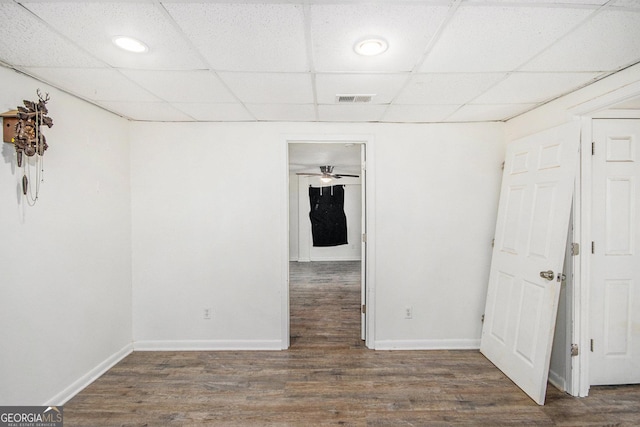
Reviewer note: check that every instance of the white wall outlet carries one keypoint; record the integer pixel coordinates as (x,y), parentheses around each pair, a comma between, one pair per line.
(206,314)
(408,312)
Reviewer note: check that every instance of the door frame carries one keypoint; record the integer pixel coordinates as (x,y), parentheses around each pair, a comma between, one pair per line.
(367,213)
(588,111)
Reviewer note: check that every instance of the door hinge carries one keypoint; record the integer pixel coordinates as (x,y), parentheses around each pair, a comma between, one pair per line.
(364,309)
(593,247)
(591,344)
(482,318)
(574,350)
(575,249)
(364,237)
(593,148)
(493,243)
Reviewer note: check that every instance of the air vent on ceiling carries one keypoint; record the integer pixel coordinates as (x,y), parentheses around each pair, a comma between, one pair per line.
(353,99)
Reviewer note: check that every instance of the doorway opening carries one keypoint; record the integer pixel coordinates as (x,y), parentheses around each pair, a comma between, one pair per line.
(622,103)
(326,284)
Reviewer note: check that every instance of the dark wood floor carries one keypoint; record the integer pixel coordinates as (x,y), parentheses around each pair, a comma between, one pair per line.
(328,377)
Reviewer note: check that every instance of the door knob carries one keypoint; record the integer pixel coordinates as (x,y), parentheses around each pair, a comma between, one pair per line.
(547,275)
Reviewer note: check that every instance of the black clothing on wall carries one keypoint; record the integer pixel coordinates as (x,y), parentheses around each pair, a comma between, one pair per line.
(328,220)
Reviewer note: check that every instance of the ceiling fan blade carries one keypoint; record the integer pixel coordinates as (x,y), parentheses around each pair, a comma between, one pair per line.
(309,174)
(340,175)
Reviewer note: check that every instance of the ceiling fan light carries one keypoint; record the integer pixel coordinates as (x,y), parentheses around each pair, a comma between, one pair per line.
(325,179)
(130,44)
(371,46)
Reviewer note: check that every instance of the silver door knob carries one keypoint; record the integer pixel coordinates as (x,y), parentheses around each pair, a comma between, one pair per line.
(547,275)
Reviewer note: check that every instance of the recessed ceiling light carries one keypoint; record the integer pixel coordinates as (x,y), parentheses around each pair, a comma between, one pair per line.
(371,46)
(130,44)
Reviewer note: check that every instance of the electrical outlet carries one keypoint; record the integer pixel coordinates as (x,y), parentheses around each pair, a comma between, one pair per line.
(408,312)
(206,314)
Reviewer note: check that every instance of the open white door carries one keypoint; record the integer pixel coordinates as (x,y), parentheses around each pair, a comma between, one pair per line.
(526,268)
(363,240)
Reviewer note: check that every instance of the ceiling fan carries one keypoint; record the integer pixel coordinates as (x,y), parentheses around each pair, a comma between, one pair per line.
(327,174)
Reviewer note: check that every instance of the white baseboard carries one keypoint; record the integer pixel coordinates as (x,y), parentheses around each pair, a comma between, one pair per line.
(81,383)
(557,381)
(461,344)
(207,345)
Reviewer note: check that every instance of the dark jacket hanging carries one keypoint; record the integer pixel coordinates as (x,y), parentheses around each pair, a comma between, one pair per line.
(328,220)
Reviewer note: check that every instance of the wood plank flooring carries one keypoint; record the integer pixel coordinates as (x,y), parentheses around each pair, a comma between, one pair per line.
(328,377)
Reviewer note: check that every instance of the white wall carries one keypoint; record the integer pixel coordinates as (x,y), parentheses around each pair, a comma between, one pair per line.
(210,230)
(437,191)
(65,263)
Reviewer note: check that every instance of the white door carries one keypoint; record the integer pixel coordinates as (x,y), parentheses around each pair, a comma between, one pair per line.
(615,262)
(363,240)
(530,240)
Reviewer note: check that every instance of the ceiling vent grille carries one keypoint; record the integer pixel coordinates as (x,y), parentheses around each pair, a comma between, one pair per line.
(353,99)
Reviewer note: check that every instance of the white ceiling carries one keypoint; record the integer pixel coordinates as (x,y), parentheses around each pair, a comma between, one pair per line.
(447,61)
(308,157)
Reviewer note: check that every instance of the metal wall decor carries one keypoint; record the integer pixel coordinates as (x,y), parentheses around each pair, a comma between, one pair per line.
(30,141)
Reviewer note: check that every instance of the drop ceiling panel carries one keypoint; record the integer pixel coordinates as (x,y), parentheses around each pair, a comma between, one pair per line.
(407,28)
(26,41)
(499,38)
(492,112)
(385,87)
(214,112)
(151,111)
(351,113)
(627,3)
(92,25)
(545,2)
(522,88)
(446,88)
(182,86)
(245,36)
(418,113)
(95,84)
(270,88)
(283,112)
(607,42)
(277,60)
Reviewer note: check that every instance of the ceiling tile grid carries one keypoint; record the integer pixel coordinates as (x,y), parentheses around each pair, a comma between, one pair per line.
(211,112)
(92,25)
(447,88)
(490,39)
(283,112)
(607,42)
(182,86)
(286,60)
(407,28)
(95,84)
(27,41)
(265,88)
(245,36)
(383,87)
(533,87)
(147,111)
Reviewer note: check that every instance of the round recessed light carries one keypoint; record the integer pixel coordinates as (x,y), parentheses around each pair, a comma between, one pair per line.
(130,44)
(371,46)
